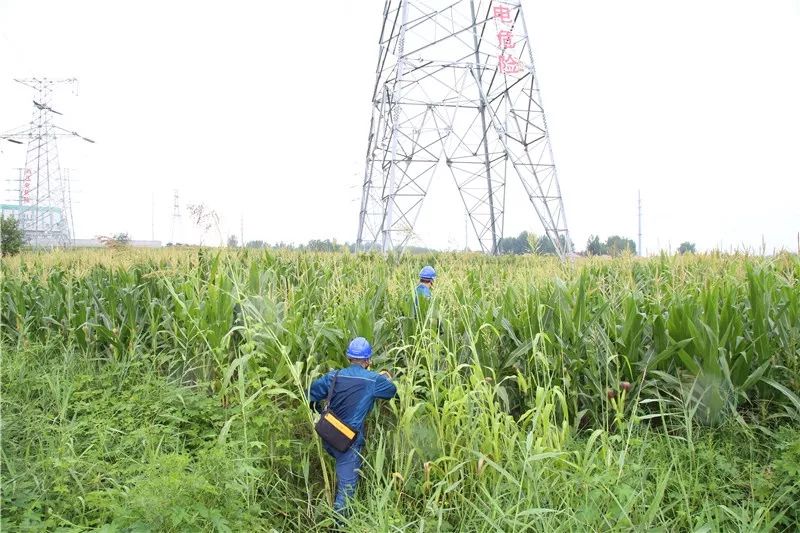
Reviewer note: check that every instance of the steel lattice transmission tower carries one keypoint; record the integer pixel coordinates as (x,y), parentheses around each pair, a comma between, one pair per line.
(45,204)
(176,215)
(455,81)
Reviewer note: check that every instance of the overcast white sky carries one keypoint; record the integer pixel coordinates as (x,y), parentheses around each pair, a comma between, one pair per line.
(261,110)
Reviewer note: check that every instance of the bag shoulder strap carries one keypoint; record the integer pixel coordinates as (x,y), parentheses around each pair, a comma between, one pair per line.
(330,390)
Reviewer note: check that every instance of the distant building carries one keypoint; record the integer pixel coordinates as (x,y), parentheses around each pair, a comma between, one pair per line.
(9,210)
(47,241)
(17,210)
(50,229)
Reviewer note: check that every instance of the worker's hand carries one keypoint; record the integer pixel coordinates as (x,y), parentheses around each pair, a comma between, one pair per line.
(386,374)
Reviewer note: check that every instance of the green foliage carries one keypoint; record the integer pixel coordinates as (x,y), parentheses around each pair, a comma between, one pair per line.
(317,245)
(117,241)
(595,247)
(616,245)
(526,243)
(112,445)
(687,248)
(12,237)
(164,390)
(780,479)
(516,245)
(546,246)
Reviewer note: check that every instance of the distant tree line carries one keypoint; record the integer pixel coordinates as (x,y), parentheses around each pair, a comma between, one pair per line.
(118,240)
(524,243)
(320,245)
(614,246)
(529,243)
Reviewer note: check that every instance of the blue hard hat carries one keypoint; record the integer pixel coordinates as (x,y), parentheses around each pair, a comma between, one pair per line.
(359,348)
(427,272)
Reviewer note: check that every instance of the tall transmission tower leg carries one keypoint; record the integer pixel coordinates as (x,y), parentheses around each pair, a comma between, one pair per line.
(487,161)
(404,143)
(518,116)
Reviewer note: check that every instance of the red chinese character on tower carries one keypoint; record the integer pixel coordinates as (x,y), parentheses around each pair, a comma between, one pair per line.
(26,188)
(502,13)
(508,64)
(504,37)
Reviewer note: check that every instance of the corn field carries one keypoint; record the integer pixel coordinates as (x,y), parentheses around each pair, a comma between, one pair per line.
(166,391)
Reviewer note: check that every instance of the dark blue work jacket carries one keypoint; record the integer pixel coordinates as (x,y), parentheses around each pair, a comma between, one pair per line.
(353,396)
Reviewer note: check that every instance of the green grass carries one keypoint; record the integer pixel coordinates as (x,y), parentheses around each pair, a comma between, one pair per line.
(164,391)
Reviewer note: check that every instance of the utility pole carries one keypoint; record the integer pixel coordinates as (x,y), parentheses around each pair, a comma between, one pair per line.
(640,223)
(176,214)
(466,232)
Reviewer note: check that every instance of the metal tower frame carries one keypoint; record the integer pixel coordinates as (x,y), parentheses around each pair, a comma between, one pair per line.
(176,215)
(45,203)
(455,81)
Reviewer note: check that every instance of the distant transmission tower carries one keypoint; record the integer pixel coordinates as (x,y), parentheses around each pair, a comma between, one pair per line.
(641,252)
(45,204)
(455,80)
(176,215)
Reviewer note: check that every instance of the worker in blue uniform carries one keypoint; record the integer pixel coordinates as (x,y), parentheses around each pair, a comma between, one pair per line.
(355,390)
(426,277)
(422,294)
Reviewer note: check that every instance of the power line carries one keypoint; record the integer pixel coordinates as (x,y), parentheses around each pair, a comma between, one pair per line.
(640,222)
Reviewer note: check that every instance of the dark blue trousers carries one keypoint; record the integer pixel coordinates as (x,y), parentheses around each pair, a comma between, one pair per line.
(346,476)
